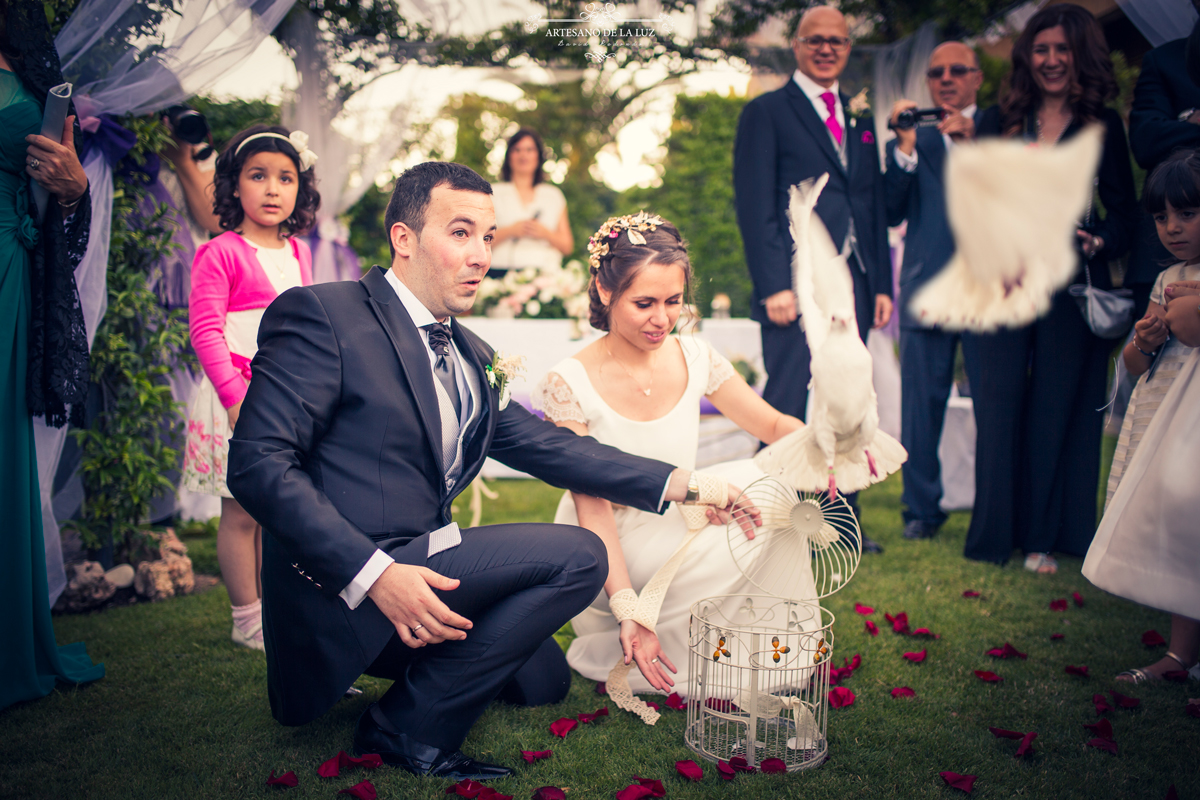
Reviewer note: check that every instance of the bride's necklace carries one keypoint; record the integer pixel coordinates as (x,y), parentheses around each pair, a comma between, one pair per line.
(636,382)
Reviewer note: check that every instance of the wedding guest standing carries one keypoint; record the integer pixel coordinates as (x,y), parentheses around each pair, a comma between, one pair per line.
(1038,389)
(1165,117)
(531,214)
(914,191)
(264,192)
(801,131)
(43,346)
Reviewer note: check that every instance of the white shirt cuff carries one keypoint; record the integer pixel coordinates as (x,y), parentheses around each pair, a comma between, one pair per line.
(662,498)
(357,589)
(906,162)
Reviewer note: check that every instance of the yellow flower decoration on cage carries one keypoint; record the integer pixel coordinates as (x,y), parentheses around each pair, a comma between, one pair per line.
(720,651)
(611,229)
(822,652)
(778,650)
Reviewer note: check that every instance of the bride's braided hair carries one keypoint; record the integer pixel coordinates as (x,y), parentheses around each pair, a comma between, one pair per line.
(615,259)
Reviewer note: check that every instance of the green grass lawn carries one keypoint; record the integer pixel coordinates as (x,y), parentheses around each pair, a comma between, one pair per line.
(182,713)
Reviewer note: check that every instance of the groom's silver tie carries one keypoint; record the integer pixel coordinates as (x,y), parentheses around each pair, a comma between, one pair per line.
(444,368)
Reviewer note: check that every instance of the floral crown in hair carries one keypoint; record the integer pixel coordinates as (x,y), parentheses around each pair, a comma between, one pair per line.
(611,229)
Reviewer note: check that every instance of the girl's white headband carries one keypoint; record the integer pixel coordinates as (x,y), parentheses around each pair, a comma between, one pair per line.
(298,140)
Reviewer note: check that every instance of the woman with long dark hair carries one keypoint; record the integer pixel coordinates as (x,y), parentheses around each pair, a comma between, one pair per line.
(1038,390)
(533,229)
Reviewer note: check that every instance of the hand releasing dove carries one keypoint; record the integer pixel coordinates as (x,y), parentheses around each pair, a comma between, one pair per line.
(842,446)
(1014,209)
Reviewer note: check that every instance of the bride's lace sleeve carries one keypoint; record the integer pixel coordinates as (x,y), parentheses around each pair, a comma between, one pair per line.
(719,370)
(553,397)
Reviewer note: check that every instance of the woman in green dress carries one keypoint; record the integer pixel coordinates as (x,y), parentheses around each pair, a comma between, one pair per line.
(41,333)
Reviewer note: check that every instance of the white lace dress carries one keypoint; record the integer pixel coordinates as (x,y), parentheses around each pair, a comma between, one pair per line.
(648,540)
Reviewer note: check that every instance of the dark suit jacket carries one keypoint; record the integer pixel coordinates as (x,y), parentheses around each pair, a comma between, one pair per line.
(782,141)
(1163,91)
(336,454)
(919,197)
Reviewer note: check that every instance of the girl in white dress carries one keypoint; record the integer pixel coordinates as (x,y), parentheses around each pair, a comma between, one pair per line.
(1146,548)
(639,388)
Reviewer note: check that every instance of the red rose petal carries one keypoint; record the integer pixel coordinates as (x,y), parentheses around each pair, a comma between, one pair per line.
(531,756)
(855,662)
(1100,703)
(563,726)
(287,780)
(1171,793)
(926,632)
(633,792)
(1103,744)
(489,793)
(989,677)
(653,784)
(466,788)
(549,793)
(1026,746)
(1123,701)
(1007,651)
(1001,733)
(724,706)
(363,791)
(872,628)
(740,764)
(861,609)
(773,766)
(689,769)
(1078,598)
(970,593)
(654,705)
(1153,639)
(837,674)
(903,691)
(899,622)
(675,701)
(1080,671)
(725,771)
(1055,636)
(916,658)
(602,688)
(1058,605)
(334,766)
(1102,729)
(962,782)
(586,718)
(839,697)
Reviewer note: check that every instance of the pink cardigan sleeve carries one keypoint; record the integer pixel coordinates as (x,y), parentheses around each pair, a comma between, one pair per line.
(213,275)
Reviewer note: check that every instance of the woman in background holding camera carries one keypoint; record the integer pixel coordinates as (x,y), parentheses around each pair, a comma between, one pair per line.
(533,229)
(1039,389)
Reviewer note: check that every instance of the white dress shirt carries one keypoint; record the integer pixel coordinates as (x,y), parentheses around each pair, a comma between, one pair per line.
(909,163)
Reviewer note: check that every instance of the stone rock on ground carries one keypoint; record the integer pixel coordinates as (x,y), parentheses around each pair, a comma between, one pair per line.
(87,587)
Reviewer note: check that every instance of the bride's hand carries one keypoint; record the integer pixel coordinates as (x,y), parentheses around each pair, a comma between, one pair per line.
(737,507)
(640,645)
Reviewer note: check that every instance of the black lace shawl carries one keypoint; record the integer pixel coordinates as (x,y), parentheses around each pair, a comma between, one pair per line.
(57,378)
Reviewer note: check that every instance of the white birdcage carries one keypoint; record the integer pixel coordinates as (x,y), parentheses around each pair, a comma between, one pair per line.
(759,664)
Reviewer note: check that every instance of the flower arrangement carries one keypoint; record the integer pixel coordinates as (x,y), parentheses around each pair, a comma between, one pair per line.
(859,106)
(536,294)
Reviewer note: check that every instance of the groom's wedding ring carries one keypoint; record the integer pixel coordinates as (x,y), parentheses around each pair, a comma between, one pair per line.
(417,627)
(654,660)
(34,163)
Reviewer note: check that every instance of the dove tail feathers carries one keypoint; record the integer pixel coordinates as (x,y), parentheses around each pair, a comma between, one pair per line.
(798,461)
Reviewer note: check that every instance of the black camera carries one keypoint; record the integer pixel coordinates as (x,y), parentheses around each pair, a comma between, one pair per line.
(917,118)
(187,123)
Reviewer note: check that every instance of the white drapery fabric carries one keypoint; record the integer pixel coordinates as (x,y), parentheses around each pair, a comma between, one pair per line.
(899,74)
(1160,21)
(116,73)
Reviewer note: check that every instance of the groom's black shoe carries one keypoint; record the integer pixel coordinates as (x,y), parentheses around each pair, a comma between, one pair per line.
(398,750)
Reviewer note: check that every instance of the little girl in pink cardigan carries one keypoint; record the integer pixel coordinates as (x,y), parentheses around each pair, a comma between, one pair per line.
(263,188)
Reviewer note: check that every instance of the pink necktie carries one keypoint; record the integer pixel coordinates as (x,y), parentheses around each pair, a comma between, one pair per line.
(831,121)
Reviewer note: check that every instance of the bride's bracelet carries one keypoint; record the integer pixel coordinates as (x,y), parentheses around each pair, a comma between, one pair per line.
(1143,352)
(623,604)
(706,490)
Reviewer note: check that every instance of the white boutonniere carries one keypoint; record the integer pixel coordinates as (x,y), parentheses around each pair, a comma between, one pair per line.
(501,373)
(859,106)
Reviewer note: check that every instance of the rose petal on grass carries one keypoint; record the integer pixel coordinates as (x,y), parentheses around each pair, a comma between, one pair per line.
(962,782)
(724,706)
(1103,729)
(689,769)
(926,632)
(899,622)
(1001,733)
(1055,636)
(602,688)
(1103,744)
(1100,703)
(773,766)
(971,593)
(287,780)
(839,697)
(872,628)
(1153,639)
(653,784)
(675,701)
(531,756)
(1007,651)
(740,764)
(725,771)
(333,767)
(837,675)
(1025,748)
(856,662)
(859,608)
(633,792)
(562,727)
(549,793)
(1059,604)
(489,793)
(586,718)
(654,705)
(916,658)
(903,691)
(1123,701)
(988,677)
(363,791)
(466,788)
(1078,598)
(1171,793)
(1080,671)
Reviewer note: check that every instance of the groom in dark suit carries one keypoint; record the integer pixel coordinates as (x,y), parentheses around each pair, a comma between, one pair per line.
(802,131)
(369,410)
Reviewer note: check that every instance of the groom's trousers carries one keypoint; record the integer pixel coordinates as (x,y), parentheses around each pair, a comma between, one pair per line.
(519,584)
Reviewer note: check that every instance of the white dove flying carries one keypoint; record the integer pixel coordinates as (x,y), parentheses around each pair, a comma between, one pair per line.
(842,446)
(1014,209)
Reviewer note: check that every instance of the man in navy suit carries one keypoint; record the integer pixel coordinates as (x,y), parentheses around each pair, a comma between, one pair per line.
(1165,117)
(802,131)
(914,191)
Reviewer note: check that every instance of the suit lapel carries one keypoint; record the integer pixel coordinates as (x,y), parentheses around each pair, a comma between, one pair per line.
(414,359)
(851,138)
(932,148)
(808,116)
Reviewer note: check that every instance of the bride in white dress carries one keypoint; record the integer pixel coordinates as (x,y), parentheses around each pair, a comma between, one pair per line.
(638,388)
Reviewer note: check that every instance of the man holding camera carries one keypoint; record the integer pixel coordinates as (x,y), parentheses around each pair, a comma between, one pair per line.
(914,191)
